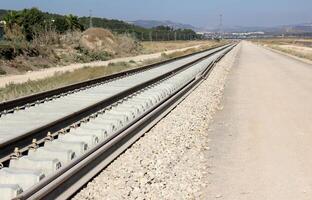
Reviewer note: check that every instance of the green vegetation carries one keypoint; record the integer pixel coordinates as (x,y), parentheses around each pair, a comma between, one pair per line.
(32,33)
(34,39)
(89,56)
(31,21)
(3,13)
(160,33)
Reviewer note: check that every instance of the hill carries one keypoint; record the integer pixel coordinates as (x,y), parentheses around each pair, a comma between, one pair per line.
(283,29)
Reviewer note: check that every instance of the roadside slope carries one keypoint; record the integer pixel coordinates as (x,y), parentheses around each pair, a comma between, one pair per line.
(261,140)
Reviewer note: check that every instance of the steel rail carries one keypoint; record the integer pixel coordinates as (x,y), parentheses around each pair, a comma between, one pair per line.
(25,140)
(22,102)
(68,180)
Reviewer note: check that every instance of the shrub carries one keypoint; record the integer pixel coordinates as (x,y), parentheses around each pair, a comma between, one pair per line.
(7,52)
(89,55)
(2,72)
(31,22)
(127,45)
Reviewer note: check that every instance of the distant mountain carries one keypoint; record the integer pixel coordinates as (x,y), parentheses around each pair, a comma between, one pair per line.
(283,29)
(155,23)
(298,28)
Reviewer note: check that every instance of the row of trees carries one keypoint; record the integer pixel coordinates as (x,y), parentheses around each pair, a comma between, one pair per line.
(144,34)
(157,34)
(32,21)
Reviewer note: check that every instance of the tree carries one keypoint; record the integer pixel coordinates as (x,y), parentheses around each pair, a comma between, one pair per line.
(11,18)
(73,22)
(27,21)
(61,25)
(163,28)
(12,28)
(32,21)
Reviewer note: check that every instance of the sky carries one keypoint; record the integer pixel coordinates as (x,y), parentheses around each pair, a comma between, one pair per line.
(200,13)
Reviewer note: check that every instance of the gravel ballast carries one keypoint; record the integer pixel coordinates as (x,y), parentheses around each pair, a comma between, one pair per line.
(169,162)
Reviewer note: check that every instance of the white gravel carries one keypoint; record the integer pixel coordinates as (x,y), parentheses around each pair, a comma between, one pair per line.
(169,161)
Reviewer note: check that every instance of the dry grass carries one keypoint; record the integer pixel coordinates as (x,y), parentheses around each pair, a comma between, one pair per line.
(286,41)
(98,39)
(153,47)
(127,46)
(294,52)
(13,91)
(299,47)
(207,45)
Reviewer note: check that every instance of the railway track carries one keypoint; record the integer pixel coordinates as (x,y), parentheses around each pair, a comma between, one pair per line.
(52,143)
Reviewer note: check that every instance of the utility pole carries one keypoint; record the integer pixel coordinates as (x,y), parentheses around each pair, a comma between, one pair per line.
(220,26)
(90,18)
(151,35)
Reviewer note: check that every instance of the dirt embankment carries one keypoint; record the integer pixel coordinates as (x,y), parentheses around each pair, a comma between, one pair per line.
(53,49)
(96,44)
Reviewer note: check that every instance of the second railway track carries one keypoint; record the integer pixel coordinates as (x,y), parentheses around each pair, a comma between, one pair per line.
(50,148)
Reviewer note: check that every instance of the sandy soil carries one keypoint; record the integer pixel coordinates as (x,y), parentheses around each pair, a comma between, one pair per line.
(35,75)
(261,140)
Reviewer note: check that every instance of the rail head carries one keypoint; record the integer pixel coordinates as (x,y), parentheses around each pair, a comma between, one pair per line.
(22,141)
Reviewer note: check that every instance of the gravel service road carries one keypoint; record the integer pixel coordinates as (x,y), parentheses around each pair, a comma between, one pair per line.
(169,161)
(261,140)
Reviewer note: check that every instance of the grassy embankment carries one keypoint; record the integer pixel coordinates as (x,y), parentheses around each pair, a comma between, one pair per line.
(12,91)
(301,48)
